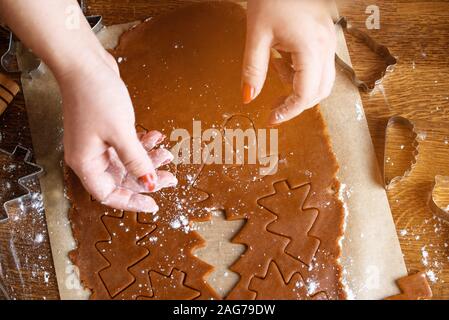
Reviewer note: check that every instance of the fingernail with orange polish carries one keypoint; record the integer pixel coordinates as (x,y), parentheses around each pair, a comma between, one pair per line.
(248,93)
(149,181)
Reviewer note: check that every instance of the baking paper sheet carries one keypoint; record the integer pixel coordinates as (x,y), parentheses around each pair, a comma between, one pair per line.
(372,257)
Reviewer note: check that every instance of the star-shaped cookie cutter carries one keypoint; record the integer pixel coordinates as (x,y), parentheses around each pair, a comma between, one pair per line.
(9,62)
(24,155)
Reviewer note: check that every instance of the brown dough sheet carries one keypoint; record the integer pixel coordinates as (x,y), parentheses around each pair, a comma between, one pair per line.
(186,65)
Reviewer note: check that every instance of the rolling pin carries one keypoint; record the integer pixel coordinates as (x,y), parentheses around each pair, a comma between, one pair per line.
(8,90)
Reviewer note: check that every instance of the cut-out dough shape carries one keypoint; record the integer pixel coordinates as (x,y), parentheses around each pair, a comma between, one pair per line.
(125,233)
(414,287)
(295,225)
(172,287)
(274,287)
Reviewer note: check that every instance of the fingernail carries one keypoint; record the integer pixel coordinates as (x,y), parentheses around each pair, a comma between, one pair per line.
(248,93)
(276,117)
(149,181)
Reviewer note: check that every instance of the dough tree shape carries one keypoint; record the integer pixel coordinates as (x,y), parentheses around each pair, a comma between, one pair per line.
(125,232)
(172,287)
(274,287)
(293,221)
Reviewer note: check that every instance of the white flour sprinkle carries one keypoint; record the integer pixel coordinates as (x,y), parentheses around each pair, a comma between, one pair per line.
(432,277)
(175,224)
(425,256)
(39,238)
(312,286)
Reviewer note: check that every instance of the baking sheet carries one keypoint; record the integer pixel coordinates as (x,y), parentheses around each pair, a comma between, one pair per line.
(372,258)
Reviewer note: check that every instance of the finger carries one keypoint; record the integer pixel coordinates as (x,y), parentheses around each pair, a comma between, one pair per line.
(255,64)
(103,187)
(160,157)
(115,167)
(124,199)
(328,77)
(132,183)
(134,157)
(284,71)
(166,180)
(151,140)
(306,85)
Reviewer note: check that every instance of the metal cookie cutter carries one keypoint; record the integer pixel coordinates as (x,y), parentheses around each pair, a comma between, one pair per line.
(377,48)
(23,156)
(9,62)
(390,183)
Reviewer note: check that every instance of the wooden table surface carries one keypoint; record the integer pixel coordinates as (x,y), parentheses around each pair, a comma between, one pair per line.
(417,33)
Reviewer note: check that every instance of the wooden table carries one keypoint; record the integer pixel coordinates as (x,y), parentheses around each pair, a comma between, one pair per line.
(416,31)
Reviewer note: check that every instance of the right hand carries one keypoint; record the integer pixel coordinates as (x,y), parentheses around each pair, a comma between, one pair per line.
(304,32)
(100,140)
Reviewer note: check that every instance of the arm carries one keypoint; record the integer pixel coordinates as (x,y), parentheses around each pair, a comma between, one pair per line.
(304,30)
(100,141)
(45,27)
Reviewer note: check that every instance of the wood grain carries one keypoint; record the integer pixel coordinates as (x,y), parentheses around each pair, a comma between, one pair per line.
(417,33)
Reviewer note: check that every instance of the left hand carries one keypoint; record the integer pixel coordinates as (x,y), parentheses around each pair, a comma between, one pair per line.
(301,28)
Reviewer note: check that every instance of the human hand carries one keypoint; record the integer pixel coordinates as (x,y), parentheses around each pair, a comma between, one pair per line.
(100,141)
(304,30)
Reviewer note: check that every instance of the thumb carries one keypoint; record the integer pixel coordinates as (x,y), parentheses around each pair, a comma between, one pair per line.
(135,158)
(255,64)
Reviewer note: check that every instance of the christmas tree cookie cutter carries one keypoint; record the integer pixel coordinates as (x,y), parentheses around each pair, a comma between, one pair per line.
(375,47)
(22,155)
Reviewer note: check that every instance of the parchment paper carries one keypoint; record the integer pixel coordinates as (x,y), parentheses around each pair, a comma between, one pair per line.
(372,256)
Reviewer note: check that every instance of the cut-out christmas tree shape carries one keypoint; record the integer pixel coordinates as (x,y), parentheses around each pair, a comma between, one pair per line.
(171,287)
(294,220)
(274,287)
(258,256)
(218,234)
(125,233)
(15,172)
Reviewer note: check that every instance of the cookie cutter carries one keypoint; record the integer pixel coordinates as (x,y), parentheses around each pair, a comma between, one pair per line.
(437,210)
(9,62)
(398,120)
(375,47)
(24,155)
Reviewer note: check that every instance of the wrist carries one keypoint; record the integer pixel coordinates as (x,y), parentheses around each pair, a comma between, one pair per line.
(78,65)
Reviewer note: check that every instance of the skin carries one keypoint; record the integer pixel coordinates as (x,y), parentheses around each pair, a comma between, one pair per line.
(100,141)
(303,31)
